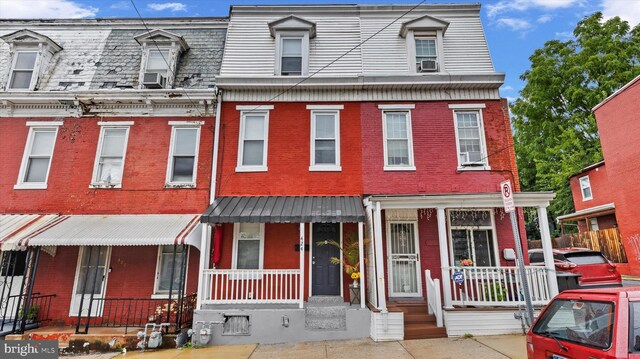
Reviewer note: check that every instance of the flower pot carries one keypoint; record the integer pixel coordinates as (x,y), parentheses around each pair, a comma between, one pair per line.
(356,283)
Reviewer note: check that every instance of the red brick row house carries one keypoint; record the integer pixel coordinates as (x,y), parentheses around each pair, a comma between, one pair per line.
(107,159)
(378,128)
(605,194)
(324,104)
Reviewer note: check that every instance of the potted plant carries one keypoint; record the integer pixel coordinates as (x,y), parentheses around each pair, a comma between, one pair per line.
(32,314)
(350,256)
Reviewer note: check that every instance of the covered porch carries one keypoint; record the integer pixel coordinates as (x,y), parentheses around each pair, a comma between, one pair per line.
(118,271)
(292,255)
(456,254)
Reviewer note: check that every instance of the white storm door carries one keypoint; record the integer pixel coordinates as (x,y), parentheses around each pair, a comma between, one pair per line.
(99,272)
(403,254)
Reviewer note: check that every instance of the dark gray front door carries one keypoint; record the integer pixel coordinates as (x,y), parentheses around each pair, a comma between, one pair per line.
(326,276)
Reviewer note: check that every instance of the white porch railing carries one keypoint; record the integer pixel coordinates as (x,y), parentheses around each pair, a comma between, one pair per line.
(251,286)
(497,286)
(434,299)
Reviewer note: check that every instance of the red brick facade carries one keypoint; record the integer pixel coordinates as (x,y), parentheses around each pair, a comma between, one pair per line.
(601,192)
(619,130)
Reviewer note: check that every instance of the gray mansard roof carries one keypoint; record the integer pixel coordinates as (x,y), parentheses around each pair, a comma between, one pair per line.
(103,53)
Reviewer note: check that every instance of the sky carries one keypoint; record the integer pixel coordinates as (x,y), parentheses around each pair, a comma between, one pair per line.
(514,28)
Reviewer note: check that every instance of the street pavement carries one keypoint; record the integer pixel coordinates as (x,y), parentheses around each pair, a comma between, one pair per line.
(491,347)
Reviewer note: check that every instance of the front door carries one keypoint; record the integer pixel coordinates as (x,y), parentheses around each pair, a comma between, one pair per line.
(98,263)
(326,276)
(404,259)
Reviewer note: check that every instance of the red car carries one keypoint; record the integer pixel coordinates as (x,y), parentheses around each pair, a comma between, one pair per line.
(595,270)
(595,323)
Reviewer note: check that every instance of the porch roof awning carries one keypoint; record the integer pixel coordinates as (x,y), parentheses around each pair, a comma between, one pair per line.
(285,209)
(461,200)
(111,230)
(600,210)
(19,225)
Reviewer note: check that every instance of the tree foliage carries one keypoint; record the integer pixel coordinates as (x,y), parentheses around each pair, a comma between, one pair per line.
(555,132)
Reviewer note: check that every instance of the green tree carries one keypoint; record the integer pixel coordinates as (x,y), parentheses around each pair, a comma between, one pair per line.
(555,132)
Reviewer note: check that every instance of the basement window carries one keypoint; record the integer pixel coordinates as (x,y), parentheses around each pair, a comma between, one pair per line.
(236,325)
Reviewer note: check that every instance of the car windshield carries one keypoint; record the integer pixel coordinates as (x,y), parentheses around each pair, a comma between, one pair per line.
(585,258)
(578,321)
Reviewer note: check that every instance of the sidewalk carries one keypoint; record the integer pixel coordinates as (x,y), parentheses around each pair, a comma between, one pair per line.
(498,347)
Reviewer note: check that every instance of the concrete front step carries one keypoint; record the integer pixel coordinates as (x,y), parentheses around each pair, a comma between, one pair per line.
(333,299)
(325,311)
(326,323)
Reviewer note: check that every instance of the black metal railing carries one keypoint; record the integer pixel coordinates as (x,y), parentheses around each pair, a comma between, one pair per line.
(136,312)
(12,311)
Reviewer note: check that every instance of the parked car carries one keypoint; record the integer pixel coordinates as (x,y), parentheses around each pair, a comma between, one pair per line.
(594,269)
(588,323)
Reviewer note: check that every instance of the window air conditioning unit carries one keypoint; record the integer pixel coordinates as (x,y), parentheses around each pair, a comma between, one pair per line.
(472,159)
(154,80)
(428,66)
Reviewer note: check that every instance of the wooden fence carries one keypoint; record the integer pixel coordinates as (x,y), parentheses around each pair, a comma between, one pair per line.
(607,241)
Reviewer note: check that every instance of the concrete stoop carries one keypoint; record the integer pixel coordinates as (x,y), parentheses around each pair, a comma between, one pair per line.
(325,313)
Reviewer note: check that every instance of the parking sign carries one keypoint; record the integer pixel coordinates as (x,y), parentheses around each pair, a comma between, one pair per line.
(507,196)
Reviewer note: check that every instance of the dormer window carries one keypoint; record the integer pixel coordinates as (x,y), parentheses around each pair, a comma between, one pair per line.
(22,70)
(292,36)
(291,59)
(426,54)
(31,54)
(160,55)
(425,43)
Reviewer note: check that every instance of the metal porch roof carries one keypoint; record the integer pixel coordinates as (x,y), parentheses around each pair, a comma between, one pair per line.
(112,230)
(285,209)
(601,210)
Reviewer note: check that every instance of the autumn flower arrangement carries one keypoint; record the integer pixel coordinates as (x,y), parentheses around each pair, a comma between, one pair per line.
(466,262)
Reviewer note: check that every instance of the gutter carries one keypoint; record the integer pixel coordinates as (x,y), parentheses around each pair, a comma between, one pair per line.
(216,141)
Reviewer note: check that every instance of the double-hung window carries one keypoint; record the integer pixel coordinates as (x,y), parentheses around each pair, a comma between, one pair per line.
(38,151)
(398,141)
(183,154)
(426,54)
(472,237)
(110,156)
(470,141)
(167,261)
(291,56)
(158,60)
(325,137)
(248,246)
(585,188)
(24,63)
(253,139)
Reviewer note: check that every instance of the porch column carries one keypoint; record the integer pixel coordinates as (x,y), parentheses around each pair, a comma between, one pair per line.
(379,258)
(361,261)
(301,285)
(443,243)
(547,250)
(204,259)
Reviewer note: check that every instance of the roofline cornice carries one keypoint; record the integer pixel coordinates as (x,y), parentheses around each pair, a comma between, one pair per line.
(490,80)
(341,8)
(215,22)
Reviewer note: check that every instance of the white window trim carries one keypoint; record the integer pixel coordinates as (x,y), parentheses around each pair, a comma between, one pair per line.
(126,125)
(236,236)
(397,108)
(160,295)
(34,74)
(336,123)
(496,250)
(305,52)
(34,126)
(411,50)
(582,188)
(243,113)
(180,125)
(167,59)
(458,108)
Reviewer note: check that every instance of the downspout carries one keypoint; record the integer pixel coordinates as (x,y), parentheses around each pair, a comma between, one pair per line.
(205,250)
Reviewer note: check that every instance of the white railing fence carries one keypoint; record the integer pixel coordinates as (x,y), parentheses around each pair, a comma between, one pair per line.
(434,298)
(497,286)
(251,286)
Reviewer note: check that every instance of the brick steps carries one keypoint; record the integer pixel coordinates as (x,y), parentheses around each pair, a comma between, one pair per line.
(418,324)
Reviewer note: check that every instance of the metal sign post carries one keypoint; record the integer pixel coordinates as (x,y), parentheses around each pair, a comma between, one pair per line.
(509,207)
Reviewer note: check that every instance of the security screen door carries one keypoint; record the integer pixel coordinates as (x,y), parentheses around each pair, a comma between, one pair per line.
(404,260)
